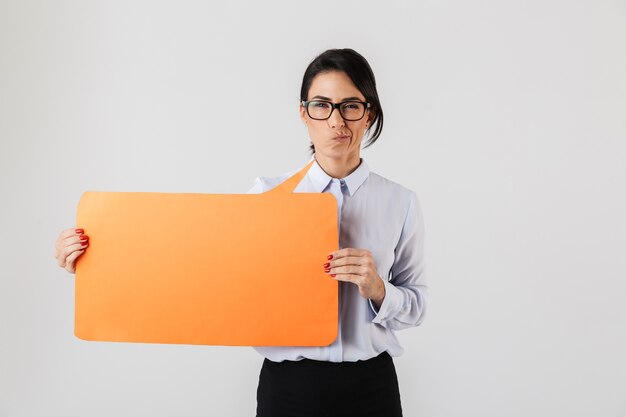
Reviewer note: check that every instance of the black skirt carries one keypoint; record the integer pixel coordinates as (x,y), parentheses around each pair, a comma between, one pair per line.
(329,389)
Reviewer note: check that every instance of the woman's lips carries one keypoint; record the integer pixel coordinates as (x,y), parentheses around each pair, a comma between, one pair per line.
(342,137)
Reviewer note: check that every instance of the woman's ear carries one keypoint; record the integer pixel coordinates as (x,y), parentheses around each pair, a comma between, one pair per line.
(370,117)
(302,113)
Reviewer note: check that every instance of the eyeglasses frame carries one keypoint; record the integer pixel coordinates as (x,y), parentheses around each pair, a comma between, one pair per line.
(334,106)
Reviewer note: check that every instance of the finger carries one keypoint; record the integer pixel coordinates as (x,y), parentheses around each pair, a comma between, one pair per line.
(70,262)
(80,245)
(62,255)
(338,253)
(74,231)
(347,260)
(74,255)
(349,269)
(69,268)
(345,278)
(348,252)
(66,234)
(79,232)
(78,239)
(69,244)
(69,250)
(60,259)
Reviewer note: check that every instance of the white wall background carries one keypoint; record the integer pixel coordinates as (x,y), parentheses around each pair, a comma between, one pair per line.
(506,117)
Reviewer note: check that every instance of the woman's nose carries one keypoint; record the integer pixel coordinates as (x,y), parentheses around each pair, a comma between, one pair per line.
(335,120)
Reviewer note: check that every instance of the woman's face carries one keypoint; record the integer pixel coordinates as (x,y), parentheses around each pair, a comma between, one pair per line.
(335,137)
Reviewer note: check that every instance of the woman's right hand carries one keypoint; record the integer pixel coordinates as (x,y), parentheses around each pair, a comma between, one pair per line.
(70,244)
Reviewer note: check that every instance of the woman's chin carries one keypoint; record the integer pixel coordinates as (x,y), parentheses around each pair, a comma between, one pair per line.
(334,151)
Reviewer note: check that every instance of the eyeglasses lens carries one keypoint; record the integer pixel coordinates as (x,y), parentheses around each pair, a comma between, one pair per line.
(350,110)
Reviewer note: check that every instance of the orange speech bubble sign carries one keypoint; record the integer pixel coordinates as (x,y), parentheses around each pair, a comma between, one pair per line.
(211,269)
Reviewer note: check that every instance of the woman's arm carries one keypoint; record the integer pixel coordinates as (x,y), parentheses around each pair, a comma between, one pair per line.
(404,304)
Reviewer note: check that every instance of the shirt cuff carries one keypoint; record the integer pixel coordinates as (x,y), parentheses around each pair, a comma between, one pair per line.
(393,298)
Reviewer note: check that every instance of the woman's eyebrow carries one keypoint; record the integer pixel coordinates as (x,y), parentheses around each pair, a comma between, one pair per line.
(321,98)
(327,99)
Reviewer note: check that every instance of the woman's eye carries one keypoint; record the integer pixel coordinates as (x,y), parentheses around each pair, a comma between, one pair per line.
(320,104)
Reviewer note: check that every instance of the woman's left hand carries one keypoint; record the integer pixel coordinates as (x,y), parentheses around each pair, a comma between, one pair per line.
(358,267)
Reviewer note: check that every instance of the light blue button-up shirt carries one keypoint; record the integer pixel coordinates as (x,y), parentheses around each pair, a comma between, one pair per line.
(385,218)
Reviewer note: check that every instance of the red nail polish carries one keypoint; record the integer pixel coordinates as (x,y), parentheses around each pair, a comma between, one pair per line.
(84,237)
(79,231)
(329,257)
(327,264)
(85,243)
(332,275)
(327,270)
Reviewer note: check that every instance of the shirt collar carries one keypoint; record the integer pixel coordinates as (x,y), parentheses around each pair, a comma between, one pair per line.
(320,179)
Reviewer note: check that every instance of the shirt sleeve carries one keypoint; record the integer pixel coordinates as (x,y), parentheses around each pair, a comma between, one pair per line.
(404,304)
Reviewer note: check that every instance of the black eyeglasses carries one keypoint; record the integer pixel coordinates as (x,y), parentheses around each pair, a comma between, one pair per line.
(349,110)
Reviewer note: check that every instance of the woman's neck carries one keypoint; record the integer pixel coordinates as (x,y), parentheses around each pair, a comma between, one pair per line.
(338,167)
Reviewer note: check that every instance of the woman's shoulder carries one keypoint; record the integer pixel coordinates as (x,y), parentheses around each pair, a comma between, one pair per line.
(385,185)
(263,184)
(394,196)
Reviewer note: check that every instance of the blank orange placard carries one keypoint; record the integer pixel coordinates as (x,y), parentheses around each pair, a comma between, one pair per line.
(214,269)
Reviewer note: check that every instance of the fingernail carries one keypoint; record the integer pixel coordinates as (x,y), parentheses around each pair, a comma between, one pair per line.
(327,270)
(80,231)
(332,275)
(84,237)
(327,264)
(329,257)
(84,243)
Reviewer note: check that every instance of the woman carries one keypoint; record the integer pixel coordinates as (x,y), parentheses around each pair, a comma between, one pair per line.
(379,265)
